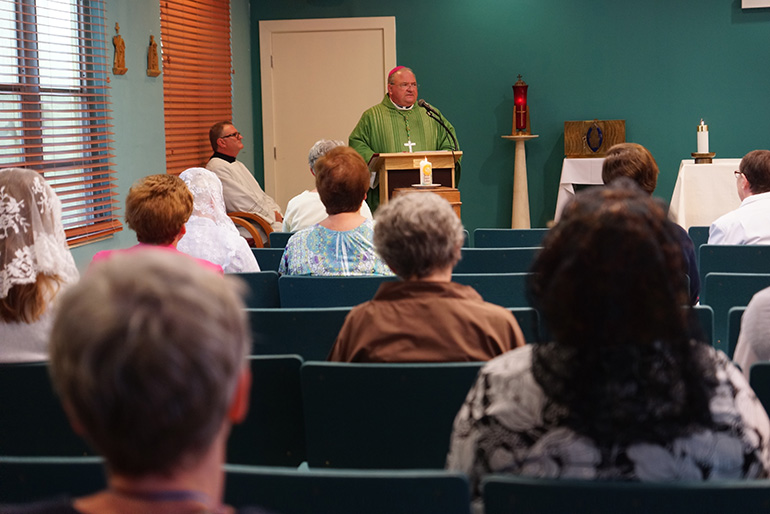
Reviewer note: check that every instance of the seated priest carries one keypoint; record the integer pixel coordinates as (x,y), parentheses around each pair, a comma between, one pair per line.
(241,190)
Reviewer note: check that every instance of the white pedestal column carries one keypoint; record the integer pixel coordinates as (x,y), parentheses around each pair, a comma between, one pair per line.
(520,207)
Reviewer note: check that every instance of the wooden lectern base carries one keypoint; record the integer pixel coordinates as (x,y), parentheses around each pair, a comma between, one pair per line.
(450,194)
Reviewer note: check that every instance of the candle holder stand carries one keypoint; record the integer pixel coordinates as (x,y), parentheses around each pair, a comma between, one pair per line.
(703,158)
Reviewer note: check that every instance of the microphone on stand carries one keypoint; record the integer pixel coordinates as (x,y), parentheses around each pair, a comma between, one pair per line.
(431,111)
(425,105)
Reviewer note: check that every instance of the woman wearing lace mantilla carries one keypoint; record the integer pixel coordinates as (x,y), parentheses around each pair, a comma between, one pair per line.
(35,264)
(211,234)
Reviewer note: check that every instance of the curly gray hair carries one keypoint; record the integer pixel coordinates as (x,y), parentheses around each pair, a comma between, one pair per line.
(320,148)
(417,234)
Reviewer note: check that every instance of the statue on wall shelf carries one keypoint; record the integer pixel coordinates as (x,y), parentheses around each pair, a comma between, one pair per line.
(119,62)
(153,70)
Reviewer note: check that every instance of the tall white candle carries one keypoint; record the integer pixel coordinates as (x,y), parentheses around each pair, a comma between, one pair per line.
(703,137)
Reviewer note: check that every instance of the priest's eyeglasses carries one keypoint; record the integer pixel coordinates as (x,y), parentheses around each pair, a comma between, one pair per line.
(236,135)
(407,85)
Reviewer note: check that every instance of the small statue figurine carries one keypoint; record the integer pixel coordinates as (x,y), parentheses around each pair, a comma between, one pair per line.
(119,63)
(153,70)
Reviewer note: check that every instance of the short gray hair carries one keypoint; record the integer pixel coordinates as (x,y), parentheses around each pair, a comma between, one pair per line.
(320,148)
(417,234)
(146,352)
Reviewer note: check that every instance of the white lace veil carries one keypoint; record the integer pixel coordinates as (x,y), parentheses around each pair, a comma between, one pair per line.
(211,234)
(32,237)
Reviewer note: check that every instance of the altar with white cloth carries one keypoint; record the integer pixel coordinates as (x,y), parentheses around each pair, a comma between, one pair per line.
(704,192)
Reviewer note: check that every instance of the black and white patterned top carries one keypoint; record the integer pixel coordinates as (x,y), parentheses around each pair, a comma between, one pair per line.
(503,427)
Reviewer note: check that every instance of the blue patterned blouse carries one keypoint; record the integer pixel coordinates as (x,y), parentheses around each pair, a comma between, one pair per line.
(318,250)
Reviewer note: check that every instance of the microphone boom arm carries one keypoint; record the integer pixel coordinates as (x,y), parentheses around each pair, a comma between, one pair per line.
(438,119)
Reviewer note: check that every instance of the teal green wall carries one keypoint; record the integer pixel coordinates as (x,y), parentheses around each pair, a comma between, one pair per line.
(661,65)
(137,102)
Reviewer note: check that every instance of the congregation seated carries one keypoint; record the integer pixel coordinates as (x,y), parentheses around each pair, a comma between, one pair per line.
(148,356)
(424,316)
(35,264)
(210,234)
(341,244)
(157,208)
(621,392)
(634,161)
(307,209)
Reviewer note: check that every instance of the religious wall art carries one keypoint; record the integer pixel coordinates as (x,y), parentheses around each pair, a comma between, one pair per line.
(153,69)
(119,62)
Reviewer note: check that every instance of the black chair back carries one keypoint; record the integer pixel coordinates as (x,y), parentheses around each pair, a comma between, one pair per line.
(32,421)
(386,416)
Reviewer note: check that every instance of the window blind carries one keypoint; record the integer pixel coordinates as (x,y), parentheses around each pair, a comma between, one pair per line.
(197,86)
(55,107)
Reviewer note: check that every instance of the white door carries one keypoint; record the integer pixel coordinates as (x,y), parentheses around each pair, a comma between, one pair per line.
(318,76)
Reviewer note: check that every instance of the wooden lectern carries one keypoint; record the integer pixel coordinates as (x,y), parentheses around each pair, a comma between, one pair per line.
(398,170)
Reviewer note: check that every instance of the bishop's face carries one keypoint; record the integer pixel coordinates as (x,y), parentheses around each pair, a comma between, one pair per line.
(403,89)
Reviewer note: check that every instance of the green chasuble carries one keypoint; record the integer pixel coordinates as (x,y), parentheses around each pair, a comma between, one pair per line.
(385,129)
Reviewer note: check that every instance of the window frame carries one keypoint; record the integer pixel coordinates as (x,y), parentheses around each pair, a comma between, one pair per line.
(75,118)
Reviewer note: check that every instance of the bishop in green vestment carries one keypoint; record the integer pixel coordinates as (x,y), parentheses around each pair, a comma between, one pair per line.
(397,123)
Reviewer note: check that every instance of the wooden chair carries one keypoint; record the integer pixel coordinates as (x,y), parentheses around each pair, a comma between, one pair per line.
(292,491)
(733,259)
(248,220)
(269,259)
(262,288)
(308,332)
(496,260)
(699,236)
(506,494)
(32,421)
(33,478)
(386,416)
(759,380)
(273,433)
(508,237)
(506,289)
(734,318)
(279,239)
(313,291)
(721,291)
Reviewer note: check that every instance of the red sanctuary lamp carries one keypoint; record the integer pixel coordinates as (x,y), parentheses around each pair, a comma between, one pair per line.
(520,109)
